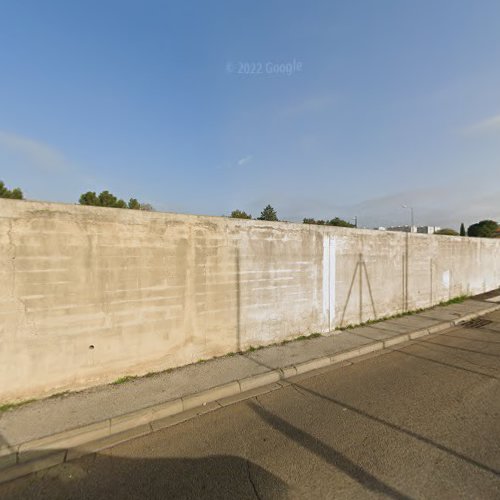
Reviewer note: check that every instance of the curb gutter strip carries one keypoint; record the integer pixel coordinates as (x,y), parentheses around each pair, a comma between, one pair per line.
(32,456)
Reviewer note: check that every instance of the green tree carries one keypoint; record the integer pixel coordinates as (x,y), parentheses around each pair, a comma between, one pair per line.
(268,214)
(314,221)
(133,204)
(104,199)
(483,229)
(462,230)
(339,222)
(240,214)
(89,198)
(332,222)
(447,231)
(15,194)
(107,199)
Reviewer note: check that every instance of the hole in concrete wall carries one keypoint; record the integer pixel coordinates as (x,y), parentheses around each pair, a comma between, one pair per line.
(91,346)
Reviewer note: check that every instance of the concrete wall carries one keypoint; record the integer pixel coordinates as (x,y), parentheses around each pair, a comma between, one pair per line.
(89,294)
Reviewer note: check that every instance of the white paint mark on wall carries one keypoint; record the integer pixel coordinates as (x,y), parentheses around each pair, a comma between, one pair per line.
(446,279)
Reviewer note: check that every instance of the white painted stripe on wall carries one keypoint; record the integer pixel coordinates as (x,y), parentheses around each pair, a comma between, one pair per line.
(446,279)
(331,282)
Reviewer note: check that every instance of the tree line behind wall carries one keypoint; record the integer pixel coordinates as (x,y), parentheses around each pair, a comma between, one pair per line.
(270,214)
(483,229)
(107,199)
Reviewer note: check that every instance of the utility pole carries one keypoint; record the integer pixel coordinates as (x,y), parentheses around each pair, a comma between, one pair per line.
(411,217)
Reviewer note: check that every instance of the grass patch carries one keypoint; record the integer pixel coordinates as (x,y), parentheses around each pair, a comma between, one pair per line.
(122,380)
(456,300)
(11,406)
(254,348)
(283,342)
(152,374)
(128,378)
(301,337)
(378,320)
(307,337)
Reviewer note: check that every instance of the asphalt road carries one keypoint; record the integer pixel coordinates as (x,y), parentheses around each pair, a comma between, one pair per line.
(420,421)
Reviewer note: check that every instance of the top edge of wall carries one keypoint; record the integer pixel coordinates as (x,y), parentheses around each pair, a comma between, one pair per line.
(27,206)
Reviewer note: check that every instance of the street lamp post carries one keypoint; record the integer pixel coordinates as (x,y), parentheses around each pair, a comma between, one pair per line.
(411,217)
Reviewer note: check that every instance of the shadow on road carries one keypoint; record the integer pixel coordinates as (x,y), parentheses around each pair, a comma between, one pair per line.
(463,349)
(343,404)
(327,453)
(442,363)
(110,477)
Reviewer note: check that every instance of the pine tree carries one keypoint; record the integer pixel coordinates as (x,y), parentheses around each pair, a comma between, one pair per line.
(133,204)
(89,198)
(268,214)
(462,230)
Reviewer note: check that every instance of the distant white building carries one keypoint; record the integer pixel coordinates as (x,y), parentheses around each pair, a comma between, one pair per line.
(412,229)
(403,229)
(428,229)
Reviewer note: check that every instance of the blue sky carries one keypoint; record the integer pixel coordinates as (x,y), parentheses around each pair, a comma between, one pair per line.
(390,102)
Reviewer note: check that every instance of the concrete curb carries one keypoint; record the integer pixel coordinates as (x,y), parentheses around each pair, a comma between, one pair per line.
(35,455)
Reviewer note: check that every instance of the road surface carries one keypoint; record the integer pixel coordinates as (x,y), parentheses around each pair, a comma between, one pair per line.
(420,421)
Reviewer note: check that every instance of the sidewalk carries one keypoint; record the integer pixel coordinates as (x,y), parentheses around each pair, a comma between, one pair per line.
(46,432)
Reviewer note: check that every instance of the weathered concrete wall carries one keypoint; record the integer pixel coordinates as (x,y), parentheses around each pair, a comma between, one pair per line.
(89,294)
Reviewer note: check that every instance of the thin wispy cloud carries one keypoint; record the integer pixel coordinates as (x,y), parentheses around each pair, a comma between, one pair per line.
(488,125)
(244,160)
(35,153)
